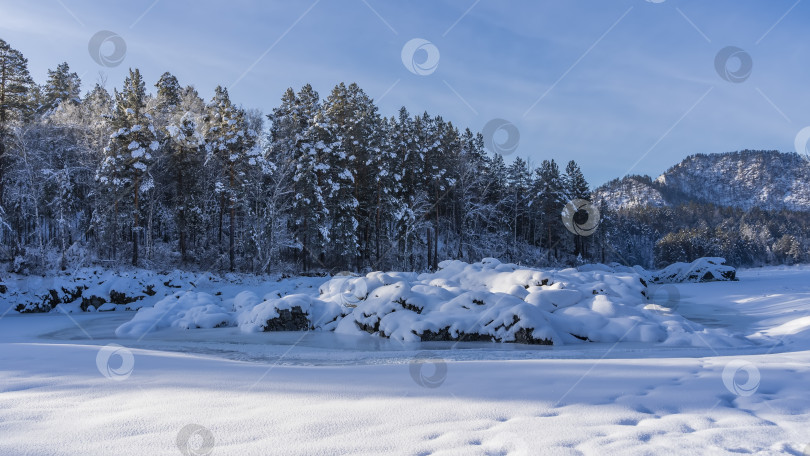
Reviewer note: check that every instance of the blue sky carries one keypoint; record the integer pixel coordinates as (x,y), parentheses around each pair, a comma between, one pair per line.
(617,85)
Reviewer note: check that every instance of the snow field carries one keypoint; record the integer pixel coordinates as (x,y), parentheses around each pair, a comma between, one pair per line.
(68,385)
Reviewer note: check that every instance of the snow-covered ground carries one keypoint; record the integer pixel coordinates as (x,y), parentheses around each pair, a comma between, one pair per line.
(70,385)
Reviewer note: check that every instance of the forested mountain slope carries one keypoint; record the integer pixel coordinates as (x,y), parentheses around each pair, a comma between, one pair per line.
(768,180)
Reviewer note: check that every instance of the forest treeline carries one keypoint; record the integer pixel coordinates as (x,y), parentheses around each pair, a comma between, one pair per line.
(163,178)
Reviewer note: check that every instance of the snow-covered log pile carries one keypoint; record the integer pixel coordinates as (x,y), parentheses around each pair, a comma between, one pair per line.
(486,301)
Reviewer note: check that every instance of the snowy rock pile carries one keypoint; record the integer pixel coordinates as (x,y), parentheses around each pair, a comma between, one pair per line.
(707,269)
(486,301)
(701,270)
(93,290)
(491,301)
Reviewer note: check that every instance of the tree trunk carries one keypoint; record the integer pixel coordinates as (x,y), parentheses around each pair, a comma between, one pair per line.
(377,227)
(135,226)
(429,249)
(182,216)
(435,264)
(221,216)
(231,238)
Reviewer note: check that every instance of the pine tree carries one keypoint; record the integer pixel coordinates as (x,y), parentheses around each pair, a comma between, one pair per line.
(231,143)
(576,187)
(335,140)
(384,194)
(409,200)
(497,194)
(15,83)
(125,169)
(294,139)
(62,87)
(168,93)
(550,198)
(441,145)
(472,212)
(364,138)
(519,200)
(185,145)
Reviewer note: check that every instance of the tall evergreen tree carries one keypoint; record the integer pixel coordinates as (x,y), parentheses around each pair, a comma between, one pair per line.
(551,198)
(62,87)
(335,139)
(231,142)
(576,187)
(519,202)
(125,169)
(15,83)
(169,92)
(294,139)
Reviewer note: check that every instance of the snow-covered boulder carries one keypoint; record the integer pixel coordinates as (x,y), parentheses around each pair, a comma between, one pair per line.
(91,289)
(184,310)
(492,301)
(295,312)
(487,301)
(707,269)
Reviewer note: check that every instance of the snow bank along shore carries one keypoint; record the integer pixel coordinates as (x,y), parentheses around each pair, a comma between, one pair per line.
(485,301)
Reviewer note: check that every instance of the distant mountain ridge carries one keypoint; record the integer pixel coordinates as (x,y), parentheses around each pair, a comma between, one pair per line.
(769,180)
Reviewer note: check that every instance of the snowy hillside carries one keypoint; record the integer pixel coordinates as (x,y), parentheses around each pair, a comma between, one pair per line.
(768,180)
(630,192)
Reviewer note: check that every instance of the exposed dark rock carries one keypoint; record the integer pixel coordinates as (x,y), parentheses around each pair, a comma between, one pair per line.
(92,301)
(371,329)
(117,297)
(524,336)
(51,299)
(288,320)
(408,306)
(444,335)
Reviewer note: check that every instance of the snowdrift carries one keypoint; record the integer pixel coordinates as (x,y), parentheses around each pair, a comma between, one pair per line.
(486,301)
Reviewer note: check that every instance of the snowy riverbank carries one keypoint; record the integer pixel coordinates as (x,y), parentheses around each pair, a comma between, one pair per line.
(69,385)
